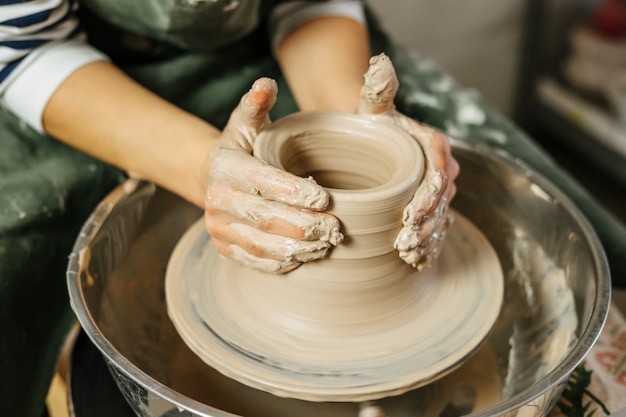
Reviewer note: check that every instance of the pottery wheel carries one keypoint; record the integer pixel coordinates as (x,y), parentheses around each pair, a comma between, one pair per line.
(227,315)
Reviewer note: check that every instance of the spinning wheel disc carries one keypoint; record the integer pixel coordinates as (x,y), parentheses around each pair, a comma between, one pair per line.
(228,316)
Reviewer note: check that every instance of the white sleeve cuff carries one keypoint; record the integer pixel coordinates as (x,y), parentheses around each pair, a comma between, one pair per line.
(32,83)
(288,16)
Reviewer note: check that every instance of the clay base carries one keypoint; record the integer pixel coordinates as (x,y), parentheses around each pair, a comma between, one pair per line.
(239,321)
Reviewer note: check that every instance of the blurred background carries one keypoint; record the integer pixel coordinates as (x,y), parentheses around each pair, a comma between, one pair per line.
(477,41)
(557,67)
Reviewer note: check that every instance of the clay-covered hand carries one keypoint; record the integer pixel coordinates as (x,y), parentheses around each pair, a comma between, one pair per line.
(257,214)
(426,217)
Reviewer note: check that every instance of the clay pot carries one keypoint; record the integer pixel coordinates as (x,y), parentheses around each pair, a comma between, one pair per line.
(371,171)
(360,324)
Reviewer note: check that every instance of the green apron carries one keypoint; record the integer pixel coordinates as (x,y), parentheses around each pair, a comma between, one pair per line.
(201,55)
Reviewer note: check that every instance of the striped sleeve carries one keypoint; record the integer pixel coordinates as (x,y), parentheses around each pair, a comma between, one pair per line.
(40,46)
(287,16)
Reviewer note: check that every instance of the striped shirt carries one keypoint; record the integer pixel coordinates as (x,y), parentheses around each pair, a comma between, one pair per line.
(41,45)
(46,21)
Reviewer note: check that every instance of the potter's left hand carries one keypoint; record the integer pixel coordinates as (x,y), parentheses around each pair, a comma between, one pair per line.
(257,214)
(425,218)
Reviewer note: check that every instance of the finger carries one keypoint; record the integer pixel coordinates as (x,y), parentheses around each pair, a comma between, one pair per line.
(250,116)
(441,156)
(419,248)
(267,245)
(262,264)
(451,191)
(438,145)
(259,100)
(439,165)
(271,217)
(236,169)
(380,87)
(262,245)
(454,171)
(435,144)
(416,236)
(425,200)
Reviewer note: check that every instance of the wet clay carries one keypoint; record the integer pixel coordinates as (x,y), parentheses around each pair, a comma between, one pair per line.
(361,324)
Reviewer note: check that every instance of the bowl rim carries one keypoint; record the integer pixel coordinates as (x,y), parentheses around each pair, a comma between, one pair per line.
(556,377)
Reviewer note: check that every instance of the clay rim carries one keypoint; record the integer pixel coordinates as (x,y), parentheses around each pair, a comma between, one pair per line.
(278,139)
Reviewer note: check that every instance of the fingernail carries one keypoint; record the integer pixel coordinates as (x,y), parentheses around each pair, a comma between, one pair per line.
(264,83)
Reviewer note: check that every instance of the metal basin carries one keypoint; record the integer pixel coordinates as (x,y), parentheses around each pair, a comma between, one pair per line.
(557,291)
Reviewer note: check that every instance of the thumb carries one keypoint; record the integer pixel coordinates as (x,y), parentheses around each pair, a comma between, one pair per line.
(250,116)
(380,87)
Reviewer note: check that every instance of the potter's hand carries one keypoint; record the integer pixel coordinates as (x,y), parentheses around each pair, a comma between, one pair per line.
(257,214)
(425,218)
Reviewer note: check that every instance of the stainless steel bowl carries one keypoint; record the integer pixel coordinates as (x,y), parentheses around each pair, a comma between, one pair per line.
(557,291)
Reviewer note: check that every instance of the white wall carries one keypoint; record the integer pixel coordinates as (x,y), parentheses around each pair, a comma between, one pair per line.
(476,41)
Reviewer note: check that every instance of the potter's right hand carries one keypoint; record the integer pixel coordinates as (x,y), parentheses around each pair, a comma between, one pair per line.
(426,218)
(257,214)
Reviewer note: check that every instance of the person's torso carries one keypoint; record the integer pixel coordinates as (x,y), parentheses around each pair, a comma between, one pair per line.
(184,24)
